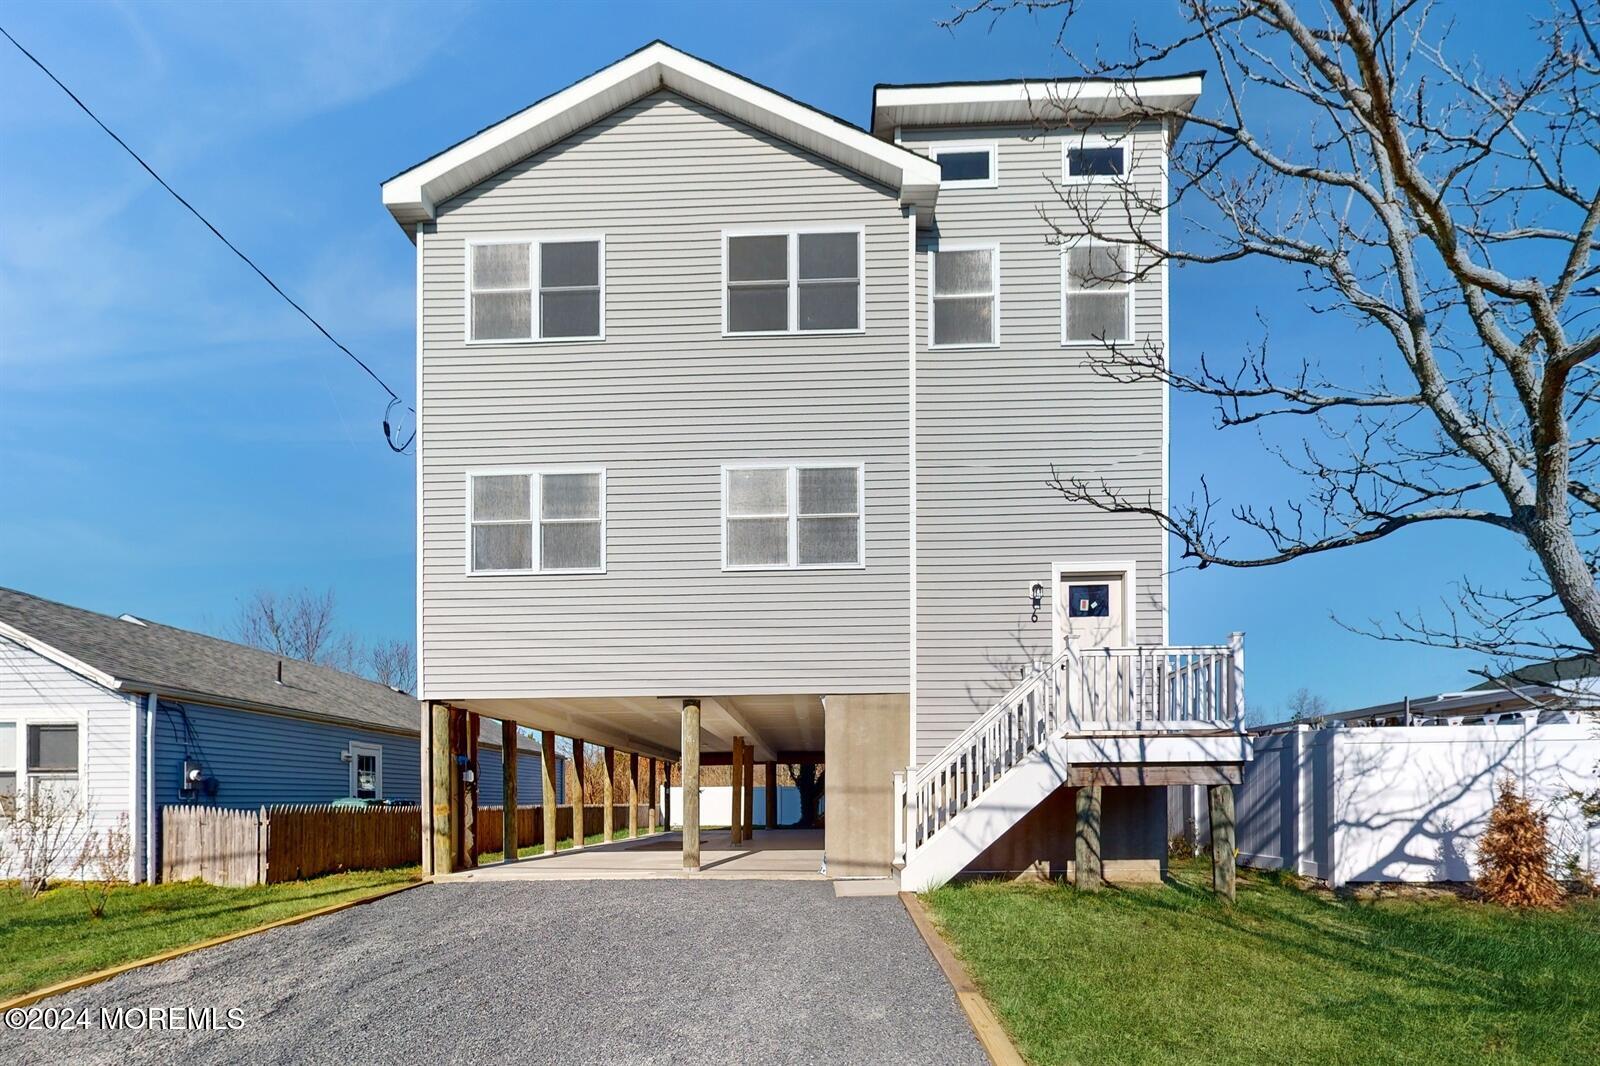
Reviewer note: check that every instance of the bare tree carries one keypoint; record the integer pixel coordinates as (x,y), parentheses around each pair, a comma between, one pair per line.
(38,833)
(810,780)
(1449,211)
(391,663)
(1307,706)
(300,625)
(103,865)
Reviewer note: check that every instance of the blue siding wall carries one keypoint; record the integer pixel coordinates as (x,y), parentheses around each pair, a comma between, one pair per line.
(490,782)
(267,758)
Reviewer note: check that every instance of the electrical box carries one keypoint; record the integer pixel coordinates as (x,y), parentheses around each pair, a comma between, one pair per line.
(193,776)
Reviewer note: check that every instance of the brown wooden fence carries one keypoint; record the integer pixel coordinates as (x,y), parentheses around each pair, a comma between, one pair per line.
(288,843)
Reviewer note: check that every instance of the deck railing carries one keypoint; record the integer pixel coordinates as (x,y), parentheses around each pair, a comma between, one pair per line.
(1146,688)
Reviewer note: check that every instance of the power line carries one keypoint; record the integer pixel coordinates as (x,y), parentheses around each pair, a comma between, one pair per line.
(394,397)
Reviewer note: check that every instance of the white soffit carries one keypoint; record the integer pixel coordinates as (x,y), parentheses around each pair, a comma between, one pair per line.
(1022,102)
(414,196)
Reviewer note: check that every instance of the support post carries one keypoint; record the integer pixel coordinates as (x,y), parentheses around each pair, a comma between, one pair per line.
(650,819)
(608,818)
(458,802)
(579,774)
(1222,841)
(749,791)
(771,795)
(690,743)
(736,806)
(633,795)
(548,782)
(470,726)
(1088,874)
(508,788)
(441,842)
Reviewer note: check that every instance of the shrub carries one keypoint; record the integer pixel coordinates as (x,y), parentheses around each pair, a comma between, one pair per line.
(1514,857)
(103,865)
(37,834)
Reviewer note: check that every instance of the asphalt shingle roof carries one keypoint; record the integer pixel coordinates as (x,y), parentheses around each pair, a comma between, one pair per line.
(186,664)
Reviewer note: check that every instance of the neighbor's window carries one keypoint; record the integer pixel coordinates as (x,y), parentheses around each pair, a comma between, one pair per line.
(53,759)
(963,293)
(536,289)
(794,282)
(537,521)
(1096,293)
(966,164)
(1093,158)
(8,760)
(791,516)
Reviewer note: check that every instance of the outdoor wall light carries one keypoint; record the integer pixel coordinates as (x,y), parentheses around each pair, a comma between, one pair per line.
(1037,595)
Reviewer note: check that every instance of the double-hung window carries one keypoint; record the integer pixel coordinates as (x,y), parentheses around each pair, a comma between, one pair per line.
(536,288)
(539,521)
(964,290)
(792,516)
(1096,293)
(1092,157)
(802,281)
(53,760)
(8,763)
(967,165)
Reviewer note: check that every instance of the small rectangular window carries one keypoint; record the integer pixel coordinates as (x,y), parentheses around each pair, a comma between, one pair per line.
(1089,601)
(564,273)
(963,297)
(1093,158)
(1096,294)
(794,282)
(567,534)
(52,749)
(792,516)
(966,164)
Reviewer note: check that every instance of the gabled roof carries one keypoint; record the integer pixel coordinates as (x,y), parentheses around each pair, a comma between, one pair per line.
(132,654)
(976,103)
(414,195)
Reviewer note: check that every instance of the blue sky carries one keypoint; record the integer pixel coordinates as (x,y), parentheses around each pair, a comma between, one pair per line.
(173,437)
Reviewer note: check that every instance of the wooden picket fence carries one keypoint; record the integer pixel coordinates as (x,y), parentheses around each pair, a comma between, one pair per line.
(288,843)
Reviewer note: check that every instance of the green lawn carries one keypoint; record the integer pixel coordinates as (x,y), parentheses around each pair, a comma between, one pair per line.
(1167,974)
(564,844)
(52,937)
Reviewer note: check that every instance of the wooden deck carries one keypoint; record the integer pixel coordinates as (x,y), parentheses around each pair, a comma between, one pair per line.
(767,855)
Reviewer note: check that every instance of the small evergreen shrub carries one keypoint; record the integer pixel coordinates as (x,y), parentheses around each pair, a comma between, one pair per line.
(1514,857)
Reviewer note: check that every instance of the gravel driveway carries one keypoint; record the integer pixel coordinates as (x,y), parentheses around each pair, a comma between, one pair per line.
(568,971)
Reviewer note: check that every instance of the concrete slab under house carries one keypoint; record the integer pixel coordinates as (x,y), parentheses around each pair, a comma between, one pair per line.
(735,428)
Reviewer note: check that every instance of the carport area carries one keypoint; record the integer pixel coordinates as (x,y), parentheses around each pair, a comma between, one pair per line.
(576,972)
(764,855)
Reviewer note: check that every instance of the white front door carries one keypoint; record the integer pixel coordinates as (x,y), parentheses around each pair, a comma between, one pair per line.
(1092,608)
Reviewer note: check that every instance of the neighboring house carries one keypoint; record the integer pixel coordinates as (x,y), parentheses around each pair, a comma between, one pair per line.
(1402,791)
(735,421)
(129,715)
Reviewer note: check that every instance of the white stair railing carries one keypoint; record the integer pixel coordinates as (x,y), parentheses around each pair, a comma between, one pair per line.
(1148,687)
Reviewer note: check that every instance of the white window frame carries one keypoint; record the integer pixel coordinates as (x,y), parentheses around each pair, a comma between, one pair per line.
(357,749)
(535,499)
(19,756)
(533,241)
(793,233)
(27,778)
(1096,140)
(792,468)
(1131,289)
(953,147)
(993,247)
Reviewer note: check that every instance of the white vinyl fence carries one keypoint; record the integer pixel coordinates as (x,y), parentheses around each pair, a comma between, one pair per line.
(716,806)
(1406,803)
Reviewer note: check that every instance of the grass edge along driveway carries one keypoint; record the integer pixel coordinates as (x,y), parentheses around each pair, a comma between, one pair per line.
(1168,973)
(52,938)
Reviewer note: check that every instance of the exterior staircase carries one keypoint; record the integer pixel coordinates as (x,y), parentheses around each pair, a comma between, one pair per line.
(1138,705)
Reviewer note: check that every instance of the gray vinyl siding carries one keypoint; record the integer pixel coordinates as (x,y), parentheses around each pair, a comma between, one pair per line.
(991,422)
(661,404)
(262,759)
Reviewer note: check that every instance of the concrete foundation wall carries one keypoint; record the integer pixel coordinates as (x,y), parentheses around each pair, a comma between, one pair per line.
(866,738)
(1133,837)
